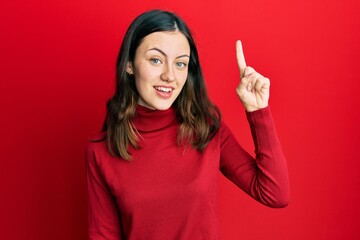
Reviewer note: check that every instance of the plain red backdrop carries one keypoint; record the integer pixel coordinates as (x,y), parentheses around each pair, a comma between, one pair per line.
(57,71)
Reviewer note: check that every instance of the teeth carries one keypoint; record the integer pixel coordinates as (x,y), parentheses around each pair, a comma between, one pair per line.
(163,89)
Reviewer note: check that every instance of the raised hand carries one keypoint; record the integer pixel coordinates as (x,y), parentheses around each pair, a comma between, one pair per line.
(254,89)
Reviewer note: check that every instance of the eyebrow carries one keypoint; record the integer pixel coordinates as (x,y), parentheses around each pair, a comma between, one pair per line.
(163,53)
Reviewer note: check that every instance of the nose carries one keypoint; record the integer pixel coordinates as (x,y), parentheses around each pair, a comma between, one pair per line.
(168,73)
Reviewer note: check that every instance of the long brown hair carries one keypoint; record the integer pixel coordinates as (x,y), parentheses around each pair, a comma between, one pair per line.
(199,119)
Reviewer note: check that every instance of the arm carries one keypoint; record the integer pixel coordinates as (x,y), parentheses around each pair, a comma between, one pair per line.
(103,214)
(264,177)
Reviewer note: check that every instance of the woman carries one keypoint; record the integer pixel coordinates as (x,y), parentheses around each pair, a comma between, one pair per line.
(153,172)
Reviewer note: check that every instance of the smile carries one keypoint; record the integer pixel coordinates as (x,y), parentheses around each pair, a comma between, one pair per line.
(164,89)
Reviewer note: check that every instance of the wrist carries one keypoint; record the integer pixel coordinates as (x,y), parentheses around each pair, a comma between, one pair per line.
(253,109)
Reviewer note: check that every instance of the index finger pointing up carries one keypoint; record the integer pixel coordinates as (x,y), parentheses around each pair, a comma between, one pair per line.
(240,57)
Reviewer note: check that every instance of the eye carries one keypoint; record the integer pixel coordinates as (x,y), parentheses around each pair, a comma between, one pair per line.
(181,64)
(155,61)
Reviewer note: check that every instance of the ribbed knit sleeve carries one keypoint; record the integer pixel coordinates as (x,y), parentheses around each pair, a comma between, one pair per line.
(103,214)
(264,177)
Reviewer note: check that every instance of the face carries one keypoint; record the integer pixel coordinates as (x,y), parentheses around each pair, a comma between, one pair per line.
(160,68)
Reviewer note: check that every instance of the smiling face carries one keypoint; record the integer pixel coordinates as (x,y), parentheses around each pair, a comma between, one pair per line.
(160,68)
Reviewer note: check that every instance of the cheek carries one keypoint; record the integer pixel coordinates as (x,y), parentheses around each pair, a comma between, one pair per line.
(146,74)
(142,86)
(142,78)
(183,78)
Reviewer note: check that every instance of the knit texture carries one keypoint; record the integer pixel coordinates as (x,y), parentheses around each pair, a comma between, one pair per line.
(171,192)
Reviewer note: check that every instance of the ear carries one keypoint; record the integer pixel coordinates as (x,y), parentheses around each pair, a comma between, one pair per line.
(129,68)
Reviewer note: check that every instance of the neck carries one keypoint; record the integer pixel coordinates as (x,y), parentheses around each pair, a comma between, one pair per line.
(147,120)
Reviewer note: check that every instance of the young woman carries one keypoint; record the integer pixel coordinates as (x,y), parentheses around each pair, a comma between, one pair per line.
(152,173)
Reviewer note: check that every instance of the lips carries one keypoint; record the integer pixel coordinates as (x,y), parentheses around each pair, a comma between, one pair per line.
(164,91)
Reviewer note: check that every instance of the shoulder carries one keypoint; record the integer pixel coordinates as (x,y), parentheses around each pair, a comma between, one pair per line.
(224,132)
(96,146)
(224,129)
(97,137)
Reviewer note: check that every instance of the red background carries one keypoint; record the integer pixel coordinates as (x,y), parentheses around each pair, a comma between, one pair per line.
(57,71)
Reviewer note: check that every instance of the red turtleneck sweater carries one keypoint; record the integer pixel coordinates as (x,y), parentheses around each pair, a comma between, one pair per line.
(167,192)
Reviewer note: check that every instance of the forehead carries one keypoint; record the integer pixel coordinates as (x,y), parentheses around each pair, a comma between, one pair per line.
(172,43)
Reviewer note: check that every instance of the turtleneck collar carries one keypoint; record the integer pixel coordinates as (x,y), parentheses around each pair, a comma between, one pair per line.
(148,120)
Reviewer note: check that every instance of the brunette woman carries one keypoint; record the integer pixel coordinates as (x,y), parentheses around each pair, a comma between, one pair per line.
(152,173)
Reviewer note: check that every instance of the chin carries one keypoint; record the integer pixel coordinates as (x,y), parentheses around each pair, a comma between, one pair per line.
(161,106)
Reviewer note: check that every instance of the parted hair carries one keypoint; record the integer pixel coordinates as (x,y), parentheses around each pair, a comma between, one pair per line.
(198,117)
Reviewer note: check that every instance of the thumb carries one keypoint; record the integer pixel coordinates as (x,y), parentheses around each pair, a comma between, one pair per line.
(247,78)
